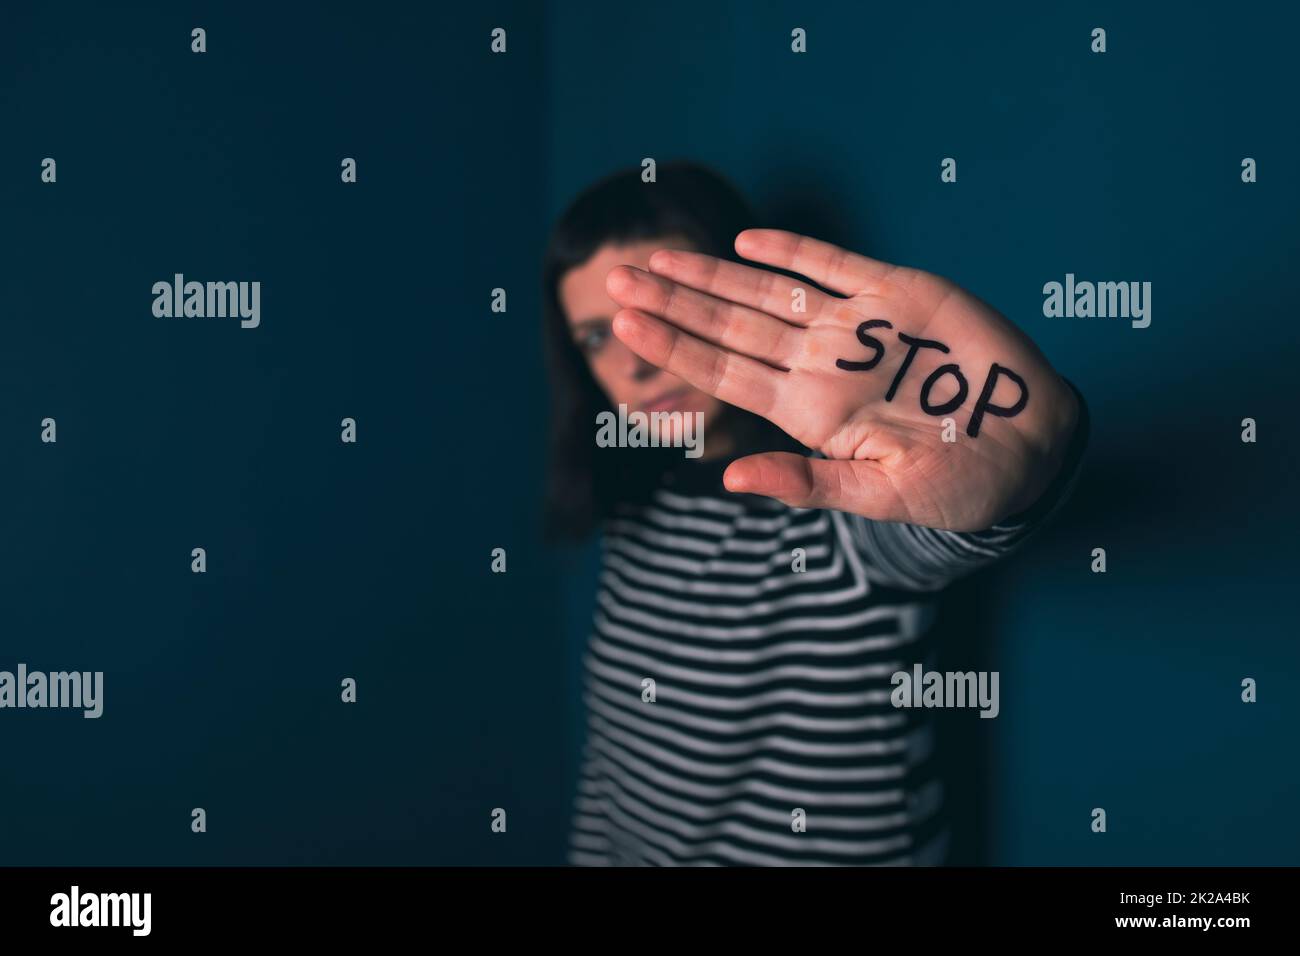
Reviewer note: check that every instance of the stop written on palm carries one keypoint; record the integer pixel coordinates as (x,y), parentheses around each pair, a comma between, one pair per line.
(864,363)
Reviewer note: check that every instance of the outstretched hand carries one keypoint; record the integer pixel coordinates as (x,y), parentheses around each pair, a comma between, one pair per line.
(875,377)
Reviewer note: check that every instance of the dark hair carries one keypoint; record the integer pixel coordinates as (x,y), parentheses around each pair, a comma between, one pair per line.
(686,200)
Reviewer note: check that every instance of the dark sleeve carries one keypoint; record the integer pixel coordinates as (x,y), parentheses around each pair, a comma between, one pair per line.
(926,559)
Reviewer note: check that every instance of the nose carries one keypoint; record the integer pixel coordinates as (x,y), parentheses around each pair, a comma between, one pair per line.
(644,370)
(634,367)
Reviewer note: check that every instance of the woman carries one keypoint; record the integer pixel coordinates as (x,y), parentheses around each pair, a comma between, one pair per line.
(864,443)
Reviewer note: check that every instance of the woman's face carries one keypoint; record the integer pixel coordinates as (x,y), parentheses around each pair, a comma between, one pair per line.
(624,376)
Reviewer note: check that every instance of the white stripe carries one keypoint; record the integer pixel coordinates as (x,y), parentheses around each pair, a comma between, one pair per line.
(634,746)
(743,522)
(778,793)
(655,559)
(721,654)
(683,522)
(894,721)
(587,859)
(779,837)
(587,841)
(639,724)
(654,840)
(765,585)
(813,802)
(906,615)
(663,671)
(803,596)
(698,503)
(767,698)
(715,545)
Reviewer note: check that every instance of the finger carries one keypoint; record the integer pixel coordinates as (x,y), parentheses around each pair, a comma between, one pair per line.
(860,487)
(761,289)
(723,323)
(830,266)
(736,379)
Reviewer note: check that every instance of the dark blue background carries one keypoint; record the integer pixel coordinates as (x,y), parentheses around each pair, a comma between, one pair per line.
(371,560)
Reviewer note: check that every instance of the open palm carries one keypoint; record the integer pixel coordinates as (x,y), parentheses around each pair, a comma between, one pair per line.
(928,405)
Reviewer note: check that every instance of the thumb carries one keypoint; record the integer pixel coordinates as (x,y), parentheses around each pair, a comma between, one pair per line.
(859,487)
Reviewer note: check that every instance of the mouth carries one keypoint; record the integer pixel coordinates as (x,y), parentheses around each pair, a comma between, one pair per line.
(668,401)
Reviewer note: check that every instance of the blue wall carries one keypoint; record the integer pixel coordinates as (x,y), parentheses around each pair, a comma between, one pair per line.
(325,560)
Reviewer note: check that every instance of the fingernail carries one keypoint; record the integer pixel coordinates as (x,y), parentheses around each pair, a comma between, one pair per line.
(663,259)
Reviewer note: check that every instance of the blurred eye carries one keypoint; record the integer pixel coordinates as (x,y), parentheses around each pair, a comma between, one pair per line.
(592,340)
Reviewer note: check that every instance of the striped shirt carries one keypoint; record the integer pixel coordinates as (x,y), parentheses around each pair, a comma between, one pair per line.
(738,709)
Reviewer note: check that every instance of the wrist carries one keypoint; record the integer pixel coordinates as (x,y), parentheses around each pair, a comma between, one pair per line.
(1047,467)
